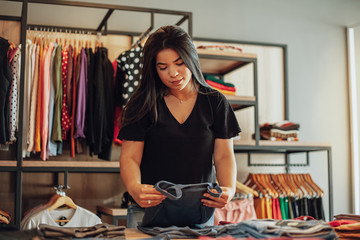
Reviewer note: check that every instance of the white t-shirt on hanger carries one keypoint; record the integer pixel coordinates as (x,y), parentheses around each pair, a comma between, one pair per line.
(79,217)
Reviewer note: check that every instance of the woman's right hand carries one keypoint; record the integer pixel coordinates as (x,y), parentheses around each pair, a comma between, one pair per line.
(146,195)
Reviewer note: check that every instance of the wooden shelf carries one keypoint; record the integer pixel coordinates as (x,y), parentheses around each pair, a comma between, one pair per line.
(72,164)
(222,62)
(240,102)
(8,163)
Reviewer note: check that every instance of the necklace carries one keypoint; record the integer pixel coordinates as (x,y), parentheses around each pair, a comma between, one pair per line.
(180,100)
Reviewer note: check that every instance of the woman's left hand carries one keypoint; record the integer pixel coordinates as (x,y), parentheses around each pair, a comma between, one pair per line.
(218,202)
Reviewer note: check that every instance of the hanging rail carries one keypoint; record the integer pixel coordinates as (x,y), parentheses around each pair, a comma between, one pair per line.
(111,8)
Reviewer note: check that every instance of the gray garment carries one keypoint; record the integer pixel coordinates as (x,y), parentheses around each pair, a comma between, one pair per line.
(264,228)
(52,146)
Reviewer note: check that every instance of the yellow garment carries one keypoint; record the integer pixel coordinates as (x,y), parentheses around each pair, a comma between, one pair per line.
(224,91)
(268,207)
(39,102)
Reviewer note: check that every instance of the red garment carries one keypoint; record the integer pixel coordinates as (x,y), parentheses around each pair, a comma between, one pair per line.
(304,218)
(273,208)
(277,209)
(118,110)
(65,118)
(11,53)
(220,86)
(337,223)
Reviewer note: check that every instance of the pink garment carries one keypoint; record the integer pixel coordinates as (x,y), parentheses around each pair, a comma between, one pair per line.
(235,211)
(46,99)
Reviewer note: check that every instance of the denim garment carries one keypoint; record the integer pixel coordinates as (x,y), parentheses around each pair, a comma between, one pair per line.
(182,207)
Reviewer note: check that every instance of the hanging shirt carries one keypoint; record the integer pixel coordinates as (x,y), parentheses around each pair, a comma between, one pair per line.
(58,91)
(33,104)
(46,99)
(69,77)
(90,139)
(81,98)
(65,117)
(38,120)
(51,145)
(103,105)
(127,74)
(14,94)
(27,97)
(79,217)
(5,84)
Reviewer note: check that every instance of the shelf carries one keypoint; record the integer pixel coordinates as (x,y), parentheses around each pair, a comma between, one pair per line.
(279,146)
(240,102)
(222,62)
(73,166)
(8,163)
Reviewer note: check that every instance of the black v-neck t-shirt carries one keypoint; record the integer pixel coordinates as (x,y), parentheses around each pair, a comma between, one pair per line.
(183,153)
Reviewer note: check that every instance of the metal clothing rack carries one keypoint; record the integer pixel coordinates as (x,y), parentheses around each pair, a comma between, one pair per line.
(102,29)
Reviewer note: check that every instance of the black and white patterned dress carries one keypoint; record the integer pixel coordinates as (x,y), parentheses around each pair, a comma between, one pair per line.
(127,74)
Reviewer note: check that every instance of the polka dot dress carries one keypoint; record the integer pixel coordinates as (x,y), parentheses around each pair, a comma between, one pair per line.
(65,117)
(14,99)
(128,73)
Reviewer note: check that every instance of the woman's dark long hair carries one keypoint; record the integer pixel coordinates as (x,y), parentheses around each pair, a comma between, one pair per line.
(151,89)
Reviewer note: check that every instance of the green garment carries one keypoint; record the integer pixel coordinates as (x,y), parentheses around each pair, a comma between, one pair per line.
(58,90)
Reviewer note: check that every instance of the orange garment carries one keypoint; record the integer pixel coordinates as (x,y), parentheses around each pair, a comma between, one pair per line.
(39,102)
(273,208)
(259,204)
(46,98)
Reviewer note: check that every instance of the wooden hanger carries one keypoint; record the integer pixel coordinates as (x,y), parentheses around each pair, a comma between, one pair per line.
(313,185)
(62,200)
(271,185)
(280,188)
(285,185)
(253,183)
(240,187)
(302,182)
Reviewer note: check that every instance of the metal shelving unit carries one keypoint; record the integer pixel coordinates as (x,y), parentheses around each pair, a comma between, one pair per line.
(221,63)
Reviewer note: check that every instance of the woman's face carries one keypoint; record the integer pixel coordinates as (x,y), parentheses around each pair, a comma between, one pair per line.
(172,70)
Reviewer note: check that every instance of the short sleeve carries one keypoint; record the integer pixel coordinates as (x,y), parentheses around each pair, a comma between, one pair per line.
(226,125)
(135,131)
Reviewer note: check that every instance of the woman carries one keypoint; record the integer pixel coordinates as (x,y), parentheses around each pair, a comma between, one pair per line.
(175,127)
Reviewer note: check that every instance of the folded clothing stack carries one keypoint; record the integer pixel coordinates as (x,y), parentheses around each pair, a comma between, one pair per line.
(280,131)
(346,226)
(225,48)
(220,85)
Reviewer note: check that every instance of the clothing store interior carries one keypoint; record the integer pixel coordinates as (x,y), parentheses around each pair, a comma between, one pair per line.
(288,70)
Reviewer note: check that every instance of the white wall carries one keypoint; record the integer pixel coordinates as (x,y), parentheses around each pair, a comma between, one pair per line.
(315,34)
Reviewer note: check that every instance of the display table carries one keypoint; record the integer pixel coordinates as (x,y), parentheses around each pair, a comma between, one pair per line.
(134,233)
